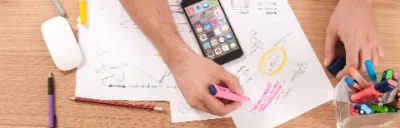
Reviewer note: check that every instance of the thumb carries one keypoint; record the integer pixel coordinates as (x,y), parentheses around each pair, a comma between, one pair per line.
(330,45)
(232,82)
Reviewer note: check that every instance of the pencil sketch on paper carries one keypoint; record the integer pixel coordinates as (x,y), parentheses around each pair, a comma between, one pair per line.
(108,73)
(241,5)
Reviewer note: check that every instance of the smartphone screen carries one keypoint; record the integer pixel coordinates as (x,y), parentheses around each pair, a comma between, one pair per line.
(212,30)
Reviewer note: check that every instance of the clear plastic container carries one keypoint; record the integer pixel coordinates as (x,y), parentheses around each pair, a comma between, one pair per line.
(342,110)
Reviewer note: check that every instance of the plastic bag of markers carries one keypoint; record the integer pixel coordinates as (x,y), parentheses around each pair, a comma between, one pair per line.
(348,117)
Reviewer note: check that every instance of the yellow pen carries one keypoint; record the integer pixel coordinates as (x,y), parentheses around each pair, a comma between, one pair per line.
(82,11)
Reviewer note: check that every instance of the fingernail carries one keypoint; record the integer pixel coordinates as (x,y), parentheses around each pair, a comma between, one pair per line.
(326,62)
(240,90)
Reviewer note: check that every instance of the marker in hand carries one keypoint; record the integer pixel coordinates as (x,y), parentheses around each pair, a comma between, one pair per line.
(226,93)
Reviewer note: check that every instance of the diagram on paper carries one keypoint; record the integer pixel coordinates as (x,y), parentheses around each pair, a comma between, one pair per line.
(241,5)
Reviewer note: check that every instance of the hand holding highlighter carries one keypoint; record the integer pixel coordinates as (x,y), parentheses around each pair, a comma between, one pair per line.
(226,93)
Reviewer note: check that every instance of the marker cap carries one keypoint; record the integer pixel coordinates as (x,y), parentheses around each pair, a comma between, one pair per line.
(386,85)
(212,90)
(337,65)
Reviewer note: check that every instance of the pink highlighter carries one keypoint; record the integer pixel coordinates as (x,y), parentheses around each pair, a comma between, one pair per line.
(226,93)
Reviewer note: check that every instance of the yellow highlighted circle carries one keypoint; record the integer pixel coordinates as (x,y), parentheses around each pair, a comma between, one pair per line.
(264,57)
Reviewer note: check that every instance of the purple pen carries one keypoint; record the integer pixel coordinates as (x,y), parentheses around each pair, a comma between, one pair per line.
(52,114)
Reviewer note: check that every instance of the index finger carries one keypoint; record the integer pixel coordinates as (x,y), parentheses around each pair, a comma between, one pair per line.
(217,107)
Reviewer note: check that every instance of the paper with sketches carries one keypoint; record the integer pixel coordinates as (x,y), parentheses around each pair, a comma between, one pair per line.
(277,70)
(110,18)
(284,68)
(120,62)
(110,74)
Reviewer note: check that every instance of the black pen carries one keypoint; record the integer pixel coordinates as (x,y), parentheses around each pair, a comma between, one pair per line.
(52,114)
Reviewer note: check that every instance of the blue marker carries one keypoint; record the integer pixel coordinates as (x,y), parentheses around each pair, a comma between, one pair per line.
(348,81)
(365,107)
(350,84)
(370,70)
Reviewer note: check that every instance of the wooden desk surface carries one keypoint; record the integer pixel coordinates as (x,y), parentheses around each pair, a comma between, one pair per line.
(24,61)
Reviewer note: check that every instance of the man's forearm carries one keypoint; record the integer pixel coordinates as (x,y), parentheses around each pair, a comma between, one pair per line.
(155,19)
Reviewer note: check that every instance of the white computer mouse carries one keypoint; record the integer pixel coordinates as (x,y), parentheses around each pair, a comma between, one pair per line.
(62,44)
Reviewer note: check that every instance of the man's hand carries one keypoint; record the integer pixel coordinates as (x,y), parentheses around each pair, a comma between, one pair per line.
(194,73)
(352,23)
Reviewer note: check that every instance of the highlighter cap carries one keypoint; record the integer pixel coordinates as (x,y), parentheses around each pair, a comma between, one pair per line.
(212,90)
(337,65)
(386,85)
(348,81)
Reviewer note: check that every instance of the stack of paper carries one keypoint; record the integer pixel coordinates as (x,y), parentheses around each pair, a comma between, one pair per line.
(279,70)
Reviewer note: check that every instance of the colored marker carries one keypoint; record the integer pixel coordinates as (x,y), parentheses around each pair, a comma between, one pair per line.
(389,74)
(357,76)
(380,109)
(389,97)
(384,75)
(370,70)
(226,93)
(397,95)
(348,81)
(352,88)
(82,11)
(338,64)
(357,86)
(352,110)
(395,75)
(364,107)
(374,91)
(392,109)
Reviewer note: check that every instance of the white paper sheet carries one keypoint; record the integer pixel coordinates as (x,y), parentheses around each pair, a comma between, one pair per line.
(113,75)
(120,62)
(111,60)
(291,80)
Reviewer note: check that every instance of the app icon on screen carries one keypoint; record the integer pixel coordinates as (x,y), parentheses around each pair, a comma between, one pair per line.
(228,36)
(207,26)
(198,8)
(232,45)
(206,5)
(213,2)
(209,13)
(214,23)
(225,48)
(206,45)
(217,12)
(225,28)
(199,29)
(210,34)
(221,20)
(217,31)
(190,11)
(214,42)
(203,37)
(210,54)
(218,51)
(221,39)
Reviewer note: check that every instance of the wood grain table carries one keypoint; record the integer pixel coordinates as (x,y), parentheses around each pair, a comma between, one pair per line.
(24,61)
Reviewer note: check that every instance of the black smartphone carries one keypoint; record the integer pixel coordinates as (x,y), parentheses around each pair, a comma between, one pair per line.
(212,30)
